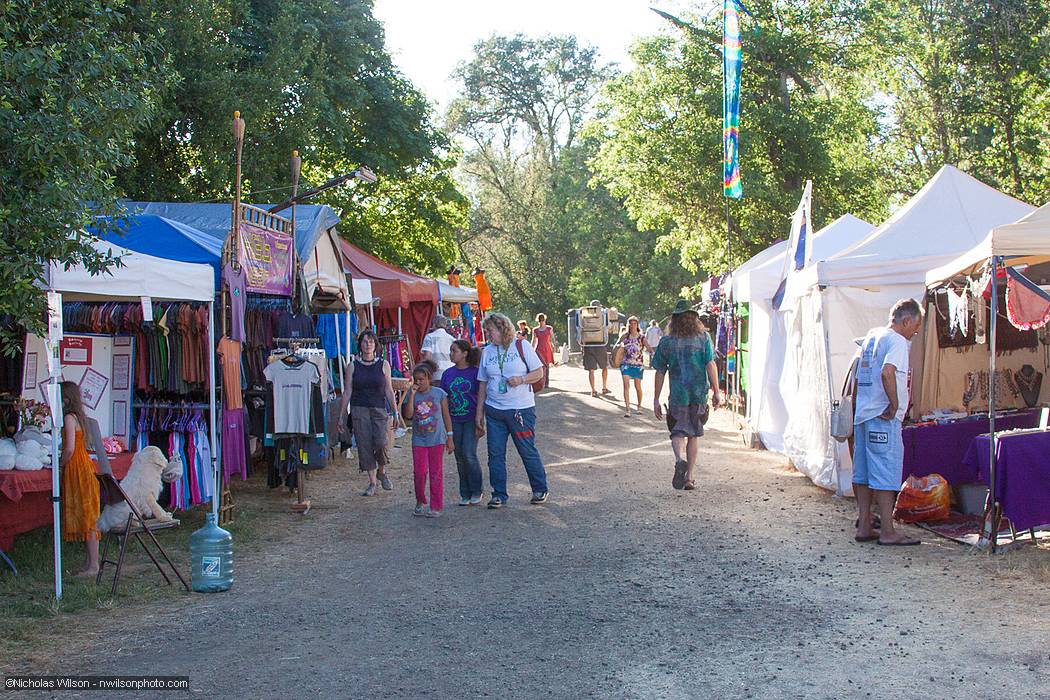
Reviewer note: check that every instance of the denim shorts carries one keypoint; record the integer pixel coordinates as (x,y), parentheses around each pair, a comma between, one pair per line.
(631,371)
(878,458)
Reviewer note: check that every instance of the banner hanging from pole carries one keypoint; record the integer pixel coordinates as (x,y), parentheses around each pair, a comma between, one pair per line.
(732,58)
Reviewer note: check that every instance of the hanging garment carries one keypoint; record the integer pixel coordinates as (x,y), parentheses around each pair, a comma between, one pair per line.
(958,312)
(293,384)
(236,284)
(1027,304)
(484,293)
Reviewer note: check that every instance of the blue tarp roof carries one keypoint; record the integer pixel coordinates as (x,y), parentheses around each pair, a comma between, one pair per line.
(213,219)
(167,239)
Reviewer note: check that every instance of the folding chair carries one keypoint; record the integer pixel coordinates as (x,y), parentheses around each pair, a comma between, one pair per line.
(136,525)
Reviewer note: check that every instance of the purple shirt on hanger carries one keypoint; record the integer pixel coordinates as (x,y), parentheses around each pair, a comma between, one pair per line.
(236,281)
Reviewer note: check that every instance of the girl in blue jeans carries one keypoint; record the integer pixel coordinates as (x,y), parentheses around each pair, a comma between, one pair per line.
(507,370)
(460,382)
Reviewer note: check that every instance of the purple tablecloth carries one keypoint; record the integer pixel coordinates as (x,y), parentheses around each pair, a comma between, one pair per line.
(1022,480)
(941,449)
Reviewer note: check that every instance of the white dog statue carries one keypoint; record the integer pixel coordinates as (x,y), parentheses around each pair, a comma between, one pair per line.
(142,485)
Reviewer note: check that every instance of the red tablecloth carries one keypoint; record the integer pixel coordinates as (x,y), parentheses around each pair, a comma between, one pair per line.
(25,499)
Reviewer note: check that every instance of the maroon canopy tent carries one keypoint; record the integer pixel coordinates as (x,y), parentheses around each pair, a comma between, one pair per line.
(397,290)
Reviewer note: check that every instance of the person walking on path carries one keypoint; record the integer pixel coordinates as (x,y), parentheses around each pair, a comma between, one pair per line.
(436,346)
(543,344)
(524,332)
(80,489)
(882,402)
(633,363)
(460,382)
(427,407)
(370,396)
(653,334)
(687,354)
(508,367)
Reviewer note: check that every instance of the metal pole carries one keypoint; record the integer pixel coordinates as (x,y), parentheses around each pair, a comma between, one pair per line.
(55,506)
(729,240)
(993,504)
(212,406)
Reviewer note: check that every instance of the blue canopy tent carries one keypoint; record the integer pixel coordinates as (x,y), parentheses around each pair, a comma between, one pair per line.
(315,241)
(213,219)
(164,238)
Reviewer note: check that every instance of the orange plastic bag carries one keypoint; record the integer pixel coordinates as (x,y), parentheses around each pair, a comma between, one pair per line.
(923,499)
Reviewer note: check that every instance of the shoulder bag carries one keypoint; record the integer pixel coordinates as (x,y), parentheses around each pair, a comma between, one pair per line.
(842,410)
(535,386)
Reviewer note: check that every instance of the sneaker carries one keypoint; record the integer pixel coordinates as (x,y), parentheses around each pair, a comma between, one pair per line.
(495,503)
(434,514)
(538,498)
(420,510)
(464,501)
(370,491)
(681,467)
(384,481)
(475,501)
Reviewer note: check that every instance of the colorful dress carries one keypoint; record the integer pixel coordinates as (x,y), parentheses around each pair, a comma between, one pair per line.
(80,496)
(633,362)
(544,344)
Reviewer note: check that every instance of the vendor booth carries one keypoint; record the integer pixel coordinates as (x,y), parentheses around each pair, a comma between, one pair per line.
(988,352)
(754,284)
(105,361)
(835,301)
(460,305)
(405,305)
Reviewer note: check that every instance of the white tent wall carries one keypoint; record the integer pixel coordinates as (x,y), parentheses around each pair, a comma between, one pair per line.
(820,347)
(323,272)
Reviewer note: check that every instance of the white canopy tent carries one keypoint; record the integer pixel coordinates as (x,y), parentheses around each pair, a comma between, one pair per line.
(767,329)
(324,276)
(837,300)
(139,276)
(451,294)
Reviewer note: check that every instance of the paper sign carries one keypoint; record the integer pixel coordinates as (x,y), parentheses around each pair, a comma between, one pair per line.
(120,418)
(92,385)
(147,309)
(121,372)
(55,403)
(29,380)
(75,351)
(54,317)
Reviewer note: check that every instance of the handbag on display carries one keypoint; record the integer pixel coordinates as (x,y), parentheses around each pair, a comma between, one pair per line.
(842,410)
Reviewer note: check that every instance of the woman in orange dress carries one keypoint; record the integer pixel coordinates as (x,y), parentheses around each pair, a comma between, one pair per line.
(80,492)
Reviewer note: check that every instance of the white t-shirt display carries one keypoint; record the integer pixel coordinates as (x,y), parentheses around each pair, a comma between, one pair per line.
(439,344)
(497,364)
(881,347)
(292,388)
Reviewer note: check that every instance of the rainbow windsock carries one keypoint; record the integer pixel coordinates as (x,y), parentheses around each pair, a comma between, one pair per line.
(732,57)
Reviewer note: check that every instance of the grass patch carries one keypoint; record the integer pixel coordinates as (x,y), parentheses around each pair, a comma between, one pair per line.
(28,608)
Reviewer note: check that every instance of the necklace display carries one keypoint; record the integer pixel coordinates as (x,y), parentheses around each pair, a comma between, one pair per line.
(1029,383)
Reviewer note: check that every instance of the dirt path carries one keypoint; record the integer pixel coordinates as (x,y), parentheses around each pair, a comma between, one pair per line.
(750,586)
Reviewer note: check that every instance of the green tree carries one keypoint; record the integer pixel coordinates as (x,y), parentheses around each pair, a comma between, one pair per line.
(804,116)
(79,78)
(549,239)
(307,75)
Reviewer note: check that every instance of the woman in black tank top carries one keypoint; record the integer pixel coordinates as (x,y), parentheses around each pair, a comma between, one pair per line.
(370,398)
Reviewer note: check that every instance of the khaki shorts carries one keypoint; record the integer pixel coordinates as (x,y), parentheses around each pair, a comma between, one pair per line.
(687,421)
(595,357)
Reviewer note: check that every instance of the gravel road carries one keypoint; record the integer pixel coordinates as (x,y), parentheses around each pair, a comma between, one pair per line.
(620,587)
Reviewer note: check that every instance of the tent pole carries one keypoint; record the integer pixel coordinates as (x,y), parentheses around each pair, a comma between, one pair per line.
(211,411)
(55,367)
(992,503)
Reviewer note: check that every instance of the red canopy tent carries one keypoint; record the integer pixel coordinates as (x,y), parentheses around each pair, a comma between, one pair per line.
(416,297)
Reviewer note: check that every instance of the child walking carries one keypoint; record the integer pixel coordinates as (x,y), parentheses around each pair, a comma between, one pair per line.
(427,407)
(460,382)
(80,492)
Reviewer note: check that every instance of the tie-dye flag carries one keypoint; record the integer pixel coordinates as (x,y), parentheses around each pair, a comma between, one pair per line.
(732,55)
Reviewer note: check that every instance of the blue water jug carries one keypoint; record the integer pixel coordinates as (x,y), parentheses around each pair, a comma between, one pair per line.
(211,558)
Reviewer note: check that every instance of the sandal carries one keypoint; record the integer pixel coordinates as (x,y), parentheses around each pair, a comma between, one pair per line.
(689,486)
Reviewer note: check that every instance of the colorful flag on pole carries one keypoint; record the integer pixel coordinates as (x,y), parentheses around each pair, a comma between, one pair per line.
(800,244)
(732,57)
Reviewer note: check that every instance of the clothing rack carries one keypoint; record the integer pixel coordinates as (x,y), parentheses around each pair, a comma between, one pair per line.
(170,404)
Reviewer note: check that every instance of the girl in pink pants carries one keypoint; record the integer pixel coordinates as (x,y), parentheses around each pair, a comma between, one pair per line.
(427,407)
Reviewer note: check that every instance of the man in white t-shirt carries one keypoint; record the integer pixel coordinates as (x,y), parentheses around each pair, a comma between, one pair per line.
(653,334)
(881,404)
(437,346)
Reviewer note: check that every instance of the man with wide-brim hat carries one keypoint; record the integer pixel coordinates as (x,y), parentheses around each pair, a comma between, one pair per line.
(687,353)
